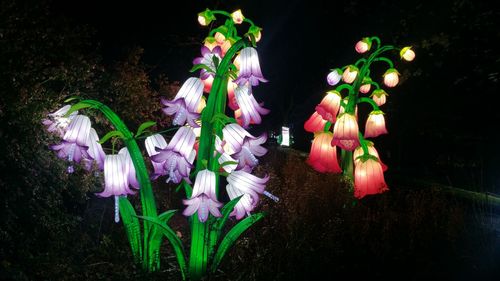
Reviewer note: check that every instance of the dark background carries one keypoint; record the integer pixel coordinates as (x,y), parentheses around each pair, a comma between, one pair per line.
(441,118)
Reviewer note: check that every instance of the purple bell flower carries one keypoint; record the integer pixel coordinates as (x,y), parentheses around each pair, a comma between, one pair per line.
(250,109)
(207,59)
(185,104)
(249,68)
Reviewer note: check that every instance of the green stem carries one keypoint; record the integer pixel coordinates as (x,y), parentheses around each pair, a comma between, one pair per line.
(370,101)
(146,190)
(384,59)
(216,104)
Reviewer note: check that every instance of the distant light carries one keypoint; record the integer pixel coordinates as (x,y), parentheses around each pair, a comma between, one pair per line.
(285,136)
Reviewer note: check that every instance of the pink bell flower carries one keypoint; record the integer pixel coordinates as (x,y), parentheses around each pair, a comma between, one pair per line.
(368,178)
(345,132)
(375,124)
(323,156)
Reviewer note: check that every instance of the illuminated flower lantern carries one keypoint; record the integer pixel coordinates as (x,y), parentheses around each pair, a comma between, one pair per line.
(379,97)
(185,104)
(129,168)
(243,147)
(315,123)
(256,32)
(152,143)
(329,106)
(345,132)
(334,77)
(368,177)
(250,109)
(74,145)
(241,183)
(237,17)
(407,54)
(375,124)
(323,156)
(205,17)
(350,74)
(371,151)
(95,151)
(56,122)
(391,77)
(249,68)
(231,98)
(363,45)
(210,43)
(366,86)
(115,176)
(203,199)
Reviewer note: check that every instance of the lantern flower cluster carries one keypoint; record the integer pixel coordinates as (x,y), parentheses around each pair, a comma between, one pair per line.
(335,121)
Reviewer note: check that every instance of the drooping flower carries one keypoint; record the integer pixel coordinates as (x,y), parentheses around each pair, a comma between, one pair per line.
(237,17)
(250,109)
(206,17)
(249,68)
(315,123)
(329,106)
(129,168)
(323,156)
(185,104)
(371,151)
(243,183)
(95,151)
(178,156)
(375,124)
(115,176)
(242,146)
(231,98)
(345,132)
(256,32)
(74,145)
(363,45)
(334,77)
(207,58)
(379,97)
(366,85)
(350,74)
(151,143)
(407,54)
(210,43)
(368,177)
(57,123)
(203,199)
(391,77)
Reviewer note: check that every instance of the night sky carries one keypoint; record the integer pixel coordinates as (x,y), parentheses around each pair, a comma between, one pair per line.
(442,119)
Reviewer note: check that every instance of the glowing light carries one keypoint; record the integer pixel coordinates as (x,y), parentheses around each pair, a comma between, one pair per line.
(285,136)
(350,74)
(329,106)
(345,132)
(368,178)
(379,97)
(363,45)
(375,124)
(237,17)
(407,54)
(323,156)
(391,77)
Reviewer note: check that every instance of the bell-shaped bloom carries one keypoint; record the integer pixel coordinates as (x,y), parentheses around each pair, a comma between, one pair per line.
(248,185)
(207,59)
(249,68)
(375,124)
(207,84)
(95,151)
(57,123)
(345,132)
(203,205)
(334,77)
(206,17)
(329,106)
(366,85)
(368,178)
(231,98)
(219,37)
(315,123)
(391,77)
(242,146)
(407,54)
(379,97)
(185,104)
(256,32)
(363,45)
(350,74)
(250,109)
(151,143)
(237,17)
(323,156)
(203,198)
(224,161)
(210,43)
(74,146)
(371,151)
(129,168)
(115,176)
(178,156)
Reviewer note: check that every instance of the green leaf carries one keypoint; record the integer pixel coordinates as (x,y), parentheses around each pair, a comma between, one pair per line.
(167,215)
(110,135)
(144,126)
(232,236)
(228,163)
(174,241)
(132,227)
(216,61)
(77,106)
(72,98)
(197,67)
